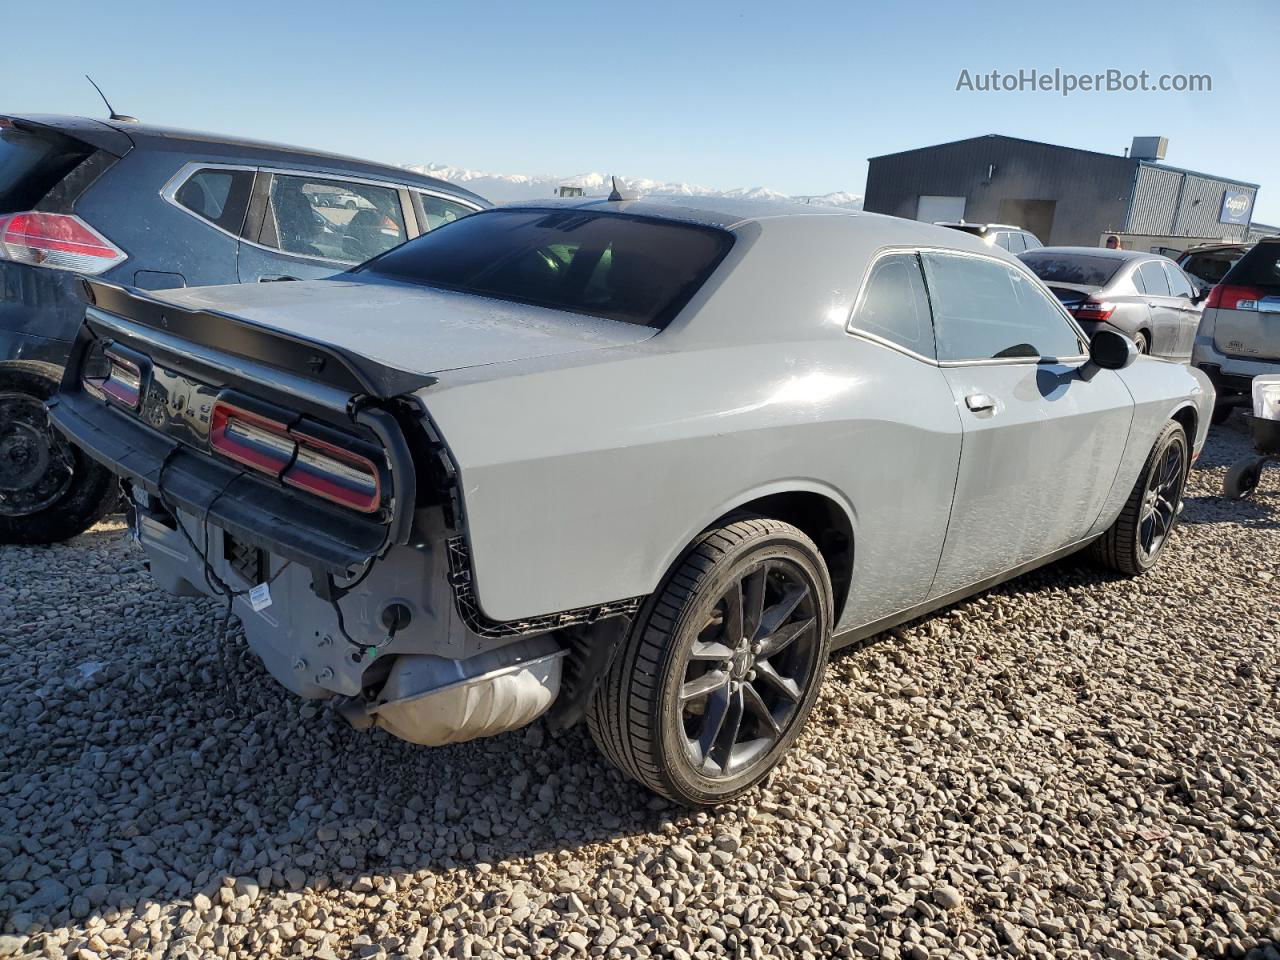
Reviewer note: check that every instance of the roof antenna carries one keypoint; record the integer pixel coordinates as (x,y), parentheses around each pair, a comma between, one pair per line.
(620,191)
(110,109)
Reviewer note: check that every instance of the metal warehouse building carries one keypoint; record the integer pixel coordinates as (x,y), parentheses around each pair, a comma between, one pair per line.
(1063,195)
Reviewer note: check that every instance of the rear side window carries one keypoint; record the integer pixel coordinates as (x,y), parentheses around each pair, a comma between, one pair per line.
(986,310)
(332,219)
(1072,268)
(32,164)
(1178,283)
(619,267)
(895,305)
(1154,280)
(1260,267)
(219,196)
(1032,243)
(1016,244)
(436,211)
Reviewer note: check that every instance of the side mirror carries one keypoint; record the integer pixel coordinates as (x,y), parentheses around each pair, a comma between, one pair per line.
(1108,350)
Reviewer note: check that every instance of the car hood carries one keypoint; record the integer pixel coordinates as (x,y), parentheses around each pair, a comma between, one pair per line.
(408,327)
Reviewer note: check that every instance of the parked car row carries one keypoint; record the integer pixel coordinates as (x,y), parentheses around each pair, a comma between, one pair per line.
(153,208)
(1145,296)
(622,460)
(625,460)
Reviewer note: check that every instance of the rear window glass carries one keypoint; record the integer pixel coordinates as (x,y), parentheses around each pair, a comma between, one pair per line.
(32,164)
(1072,268)
(1260,267)
(607,265)
(1210,267)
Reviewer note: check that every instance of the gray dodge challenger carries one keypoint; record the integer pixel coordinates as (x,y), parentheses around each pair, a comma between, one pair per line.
(636,462)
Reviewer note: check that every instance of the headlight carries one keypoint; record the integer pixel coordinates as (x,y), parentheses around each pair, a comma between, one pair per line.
(1266,397)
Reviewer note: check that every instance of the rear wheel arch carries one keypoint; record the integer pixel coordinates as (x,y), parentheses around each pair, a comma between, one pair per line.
(1189,417)
(815,510)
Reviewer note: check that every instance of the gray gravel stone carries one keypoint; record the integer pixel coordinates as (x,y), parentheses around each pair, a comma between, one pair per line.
(1071,765)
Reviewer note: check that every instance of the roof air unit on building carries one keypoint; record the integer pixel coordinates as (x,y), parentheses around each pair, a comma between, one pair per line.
(1149,148)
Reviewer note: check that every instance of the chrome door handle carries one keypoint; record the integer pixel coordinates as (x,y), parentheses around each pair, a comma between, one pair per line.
(978,402)
(1150,304)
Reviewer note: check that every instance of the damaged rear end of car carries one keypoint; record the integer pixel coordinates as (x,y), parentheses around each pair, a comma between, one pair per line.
(306,486)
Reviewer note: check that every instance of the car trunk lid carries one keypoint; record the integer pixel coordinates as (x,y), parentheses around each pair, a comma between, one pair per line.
(1072,294)
(416,329)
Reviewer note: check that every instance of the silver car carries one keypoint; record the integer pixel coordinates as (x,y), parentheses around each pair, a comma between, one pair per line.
(639,462)
(1239,335)
(1145,296)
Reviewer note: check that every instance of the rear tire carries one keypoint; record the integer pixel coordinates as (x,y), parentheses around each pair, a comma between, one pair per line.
(49,490)
(1134,543)
(721,668)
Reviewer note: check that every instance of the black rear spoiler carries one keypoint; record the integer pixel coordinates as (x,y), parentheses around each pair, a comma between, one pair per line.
(239,336)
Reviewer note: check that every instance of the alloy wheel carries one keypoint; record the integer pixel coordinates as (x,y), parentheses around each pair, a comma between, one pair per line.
(748,669)
(1160,500)
(35,468)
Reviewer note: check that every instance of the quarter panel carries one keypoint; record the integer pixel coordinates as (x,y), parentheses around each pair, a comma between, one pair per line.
(581,484)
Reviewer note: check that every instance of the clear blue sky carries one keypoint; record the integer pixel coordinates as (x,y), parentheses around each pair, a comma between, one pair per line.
(793,96)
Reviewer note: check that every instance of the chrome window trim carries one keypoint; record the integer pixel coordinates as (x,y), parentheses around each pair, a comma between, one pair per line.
(853,330)
(170,190)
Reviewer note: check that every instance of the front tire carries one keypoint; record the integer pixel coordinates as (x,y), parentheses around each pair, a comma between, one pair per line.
(721,668)
(49,490)
(1133,543)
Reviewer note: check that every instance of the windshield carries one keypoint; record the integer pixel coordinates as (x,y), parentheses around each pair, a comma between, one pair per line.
(31,164)
(1078,268)
(619,267)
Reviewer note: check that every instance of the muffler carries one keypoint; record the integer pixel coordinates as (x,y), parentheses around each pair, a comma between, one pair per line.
(434,700)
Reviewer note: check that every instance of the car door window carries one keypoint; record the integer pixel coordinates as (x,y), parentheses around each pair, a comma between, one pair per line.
(1015,244)
(332,219)
(984,309)
(217,195)
(1031,241)
(1154,281)
(1179,286)
(894,305)
(1001,239)
(436,211)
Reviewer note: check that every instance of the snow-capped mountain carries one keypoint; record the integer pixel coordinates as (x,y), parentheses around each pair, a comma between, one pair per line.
(506,188)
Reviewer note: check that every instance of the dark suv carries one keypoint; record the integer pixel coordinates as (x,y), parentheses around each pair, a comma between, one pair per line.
(153,208)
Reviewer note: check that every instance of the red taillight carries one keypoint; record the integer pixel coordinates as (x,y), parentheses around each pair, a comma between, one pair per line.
(308,463)
(250,438)
(337,475)
(1094,310)
(57,240)
(122,383)
(1231,297)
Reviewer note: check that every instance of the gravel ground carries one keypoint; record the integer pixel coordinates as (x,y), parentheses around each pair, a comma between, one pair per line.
(1070,766)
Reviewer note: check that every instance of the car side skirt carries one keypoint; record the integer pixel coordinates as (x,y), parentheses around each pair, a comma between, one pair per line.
(865,631)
